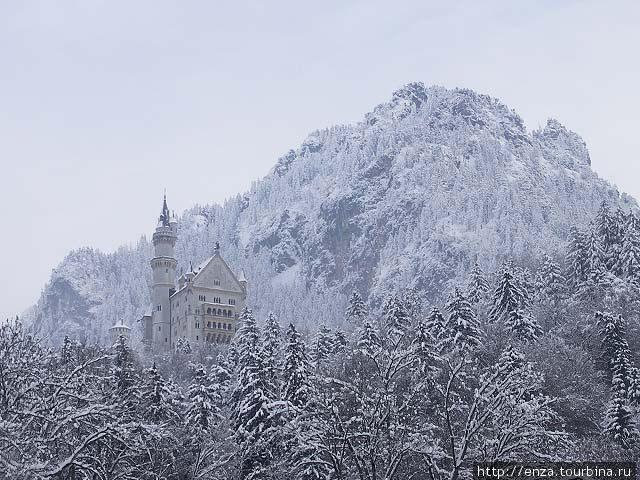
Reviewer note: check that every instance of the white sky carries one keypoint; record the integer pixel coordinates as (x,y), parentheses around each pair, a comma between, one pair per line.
(105,103)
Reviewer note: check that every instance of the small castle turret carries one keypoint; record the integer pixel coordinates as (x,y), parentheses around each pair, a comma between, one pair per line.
(119,330)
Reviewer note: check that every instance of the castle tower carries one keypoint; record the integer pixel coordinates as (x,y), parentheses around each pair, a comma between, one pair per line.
(164,267)
(119,330)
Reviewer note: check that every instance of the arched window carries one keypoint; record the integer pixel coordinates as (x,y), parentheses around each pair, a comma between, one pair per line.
(219,312)
(209,310)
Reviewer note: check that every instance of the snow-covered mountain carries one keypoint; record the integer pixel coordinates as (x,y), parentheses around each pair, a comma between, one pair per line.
(426,184)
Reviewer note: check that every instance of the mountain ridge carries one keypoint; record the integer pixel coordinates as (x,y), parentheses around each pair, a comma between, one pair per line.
(426,184)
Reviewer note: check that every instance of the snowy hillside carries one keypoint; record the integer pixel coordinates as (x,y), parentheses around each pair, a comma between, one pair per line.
(425,185)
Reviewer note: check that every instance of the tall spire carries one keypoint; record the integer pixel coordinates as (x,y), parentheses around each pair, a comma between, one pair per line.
(164,215)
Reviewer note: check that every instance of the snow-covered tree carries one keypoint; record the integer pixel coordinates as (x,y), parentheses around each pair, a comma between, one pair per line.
(368,339)
(477,285)
(296,372)
(339,342)
(156,397)
(272,355)
(507,296)
(523,325)
(183,345)
(322,346)
(628,260)
(461,327)
(356,310)
(396,316)
(203,409)
(125,377)
(435,323)
(577,257)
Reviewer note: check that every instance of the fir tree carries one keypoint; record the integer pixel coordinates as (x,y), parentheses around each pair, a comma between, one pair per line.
(423,344)
(322,346)
(595,264)
(436,324)
(356,310)
(507,297)
(605,227)
(203,410)
(183,346)
(462,326)
(396,317)
(412,302)
(156,396)
(368,339)
(124,373)
(66,352)
(628,261)
(576,257)
(272,344)
(523,325)
(478,285)
(297,388)
(339,342)
(619,422)
(550,283)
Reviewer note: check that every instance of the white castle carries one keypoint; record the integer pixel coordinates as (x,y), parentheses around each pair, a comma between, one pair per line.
(206,305)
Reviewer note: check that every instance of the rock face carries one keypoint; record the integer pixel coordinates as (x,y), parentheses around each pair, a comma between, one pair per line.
(428,183)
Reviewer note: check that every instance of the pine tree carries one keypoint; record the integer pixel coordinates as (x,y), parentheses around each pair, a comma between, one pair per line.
(297,387)
(478,285)
(436,324)
(605,227)
(628,261)
(66,352)
(272,344)
(507,297)
(368,339)
(124,373)
(595,264)
(396,317)
(423,344)
(251,411)
(576,257)
(523,325)
(412,302)
(322,346)
(203,406)
(619,420)
(356,310)
(155,396)
(550,283)
(183,346)
(462,326)
(339,342)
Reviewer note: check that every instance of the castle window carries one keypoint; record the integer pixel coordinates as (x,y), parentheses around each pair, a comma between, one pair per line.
(208,324)
(220,326)
(219,312)
(197,338)
(216,282)
(209,310)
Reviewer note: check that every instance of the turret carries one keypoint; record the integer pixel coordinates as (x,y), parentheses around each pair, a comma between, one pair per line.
(164,267)
(242,280)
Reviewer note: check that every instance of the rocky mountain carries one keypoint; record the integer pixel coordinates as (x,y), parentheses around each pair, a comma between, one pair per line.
(425,185)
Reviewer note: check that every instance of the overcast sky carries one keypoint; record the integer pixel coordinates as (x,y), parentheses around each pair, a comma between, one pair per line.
(103,104)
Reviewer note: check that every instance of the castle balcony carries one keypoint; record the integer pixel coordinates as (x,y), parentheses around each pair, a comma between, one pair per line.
(218,310)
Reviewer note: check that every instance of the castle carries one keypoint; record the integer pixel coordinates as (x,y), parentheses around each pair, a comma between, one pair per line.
(205,306)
